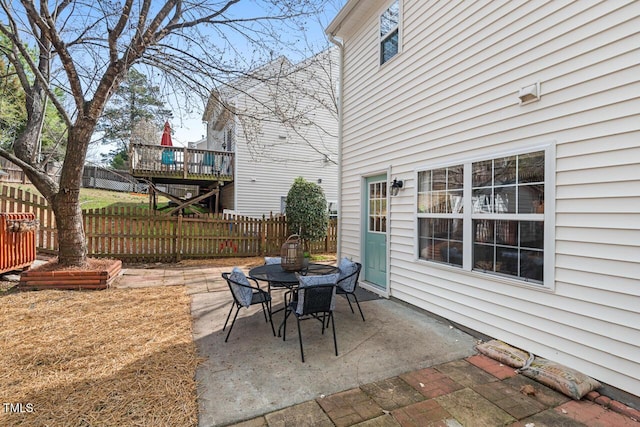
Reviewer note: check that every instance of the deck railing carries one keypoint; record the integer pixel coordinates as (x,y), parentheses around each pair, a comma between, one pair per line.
(180,162)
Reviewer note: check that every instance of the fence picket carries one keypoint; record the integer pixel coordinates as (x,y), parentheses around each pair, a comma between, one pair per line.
(142,236)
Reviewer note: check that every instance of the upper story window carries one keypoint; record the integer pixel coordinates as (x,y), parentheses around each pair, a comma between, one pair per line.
(228,140)
(333,210)
(389,32)
(489,216)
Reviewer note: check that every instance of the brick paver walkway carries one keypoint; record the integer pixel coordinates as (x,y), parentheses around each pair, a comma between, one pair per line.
(477,391)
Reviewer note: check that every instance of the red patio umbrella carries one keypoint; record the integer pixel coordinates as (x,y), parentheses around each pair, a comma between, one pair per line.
(166,135)
(167,155)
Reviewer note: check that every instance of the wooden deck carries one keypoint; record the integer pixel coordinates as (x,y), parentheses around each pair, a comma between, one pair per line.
(180,164)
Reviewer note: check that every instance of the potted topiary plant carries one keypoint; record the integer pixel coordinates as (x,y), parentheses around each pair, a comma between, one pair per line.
(306,212)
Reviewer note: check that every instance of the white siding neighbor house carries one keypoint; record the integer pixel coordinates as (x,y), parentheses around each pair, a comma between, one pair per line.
(512,132)
(282,123)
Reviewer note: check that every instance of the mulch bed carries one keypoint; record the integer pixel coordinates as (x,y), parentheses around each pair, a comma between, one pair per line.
(116,357)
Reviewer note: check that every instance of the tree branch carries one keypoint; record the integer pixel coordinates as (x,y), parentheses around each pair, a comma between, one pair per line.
(117,30)
(47,27)
(49,188)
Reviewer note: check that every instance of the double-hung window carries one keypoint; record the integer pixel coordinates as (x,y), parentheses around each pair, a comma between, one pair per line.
(487,215)
(440,214)
(389,32)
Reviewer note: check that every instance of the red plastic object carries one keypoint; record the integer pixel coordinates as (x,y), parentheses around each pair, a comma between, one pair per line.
(17,244)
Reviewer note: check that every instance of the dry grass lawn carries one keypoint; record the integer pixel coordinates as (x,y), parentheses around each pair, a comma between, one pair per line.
(120,357)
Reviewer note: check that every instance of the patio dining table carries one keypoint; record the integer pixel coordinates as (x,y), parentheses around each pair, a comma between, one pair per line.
(274,273)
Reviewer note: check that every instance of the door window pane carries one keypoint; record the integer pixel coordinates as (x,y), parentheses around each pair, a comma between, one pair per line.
(378,207)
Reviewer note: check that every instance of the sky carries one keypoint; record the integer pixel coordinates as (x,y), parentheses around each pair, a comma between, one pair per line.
(190,128)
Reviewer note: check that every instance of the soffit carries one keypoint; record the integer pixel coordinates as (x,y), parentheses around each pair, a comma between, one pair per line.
(353,13)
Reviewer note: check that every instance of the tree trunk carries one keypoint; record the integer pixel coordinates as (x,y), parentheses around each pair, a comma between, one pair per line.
(72,247)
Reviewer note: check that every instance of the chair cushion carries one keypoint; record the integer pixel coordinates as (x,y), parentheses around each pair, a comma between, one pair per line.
(346,268)
(309,281)
(273,260)
(242,294)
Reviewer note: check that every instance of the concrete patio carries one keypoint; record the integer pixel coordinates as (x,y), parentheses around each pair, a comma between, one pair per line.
(401,367)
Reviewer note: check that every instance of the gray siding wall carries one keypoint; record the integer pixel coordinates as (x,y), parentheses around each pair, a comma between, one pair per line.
(452,93)
(271,155)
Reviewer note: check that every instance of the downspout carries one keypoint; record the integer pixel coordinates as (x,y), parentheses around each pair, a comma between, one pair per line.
(340,46)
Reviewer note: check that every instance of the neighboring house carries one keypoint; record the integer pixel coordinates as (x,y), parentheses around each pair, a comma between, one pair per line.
(514,128)
(281,122)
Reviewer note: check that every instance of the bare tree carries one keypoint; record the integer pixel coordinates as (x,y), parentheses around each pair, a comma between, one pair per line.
(86,49)
(302,99)
(296,100)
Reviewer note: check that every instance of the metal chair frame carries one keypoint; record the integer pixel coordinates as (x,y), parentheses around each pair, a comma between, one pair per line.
(340,291)
(259,296)
(317,301)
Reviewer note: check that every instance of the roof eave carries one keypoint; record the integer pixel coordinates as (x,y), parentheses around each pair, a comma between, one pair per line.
(334,27)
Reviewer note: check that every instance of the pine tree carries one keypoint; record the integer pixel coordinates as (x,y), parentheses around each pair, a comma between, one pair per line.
(136,103)
(13,114)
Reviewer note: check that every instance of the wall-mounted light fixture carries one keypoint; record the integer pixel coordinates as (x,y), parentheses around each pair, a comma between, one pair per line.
(529,93)
(396,185)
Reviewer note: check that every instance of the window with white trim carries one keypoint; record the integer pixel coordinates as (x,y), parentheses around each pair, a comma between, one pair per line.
(502,199)
(440,210)
(389,32)
(332,207)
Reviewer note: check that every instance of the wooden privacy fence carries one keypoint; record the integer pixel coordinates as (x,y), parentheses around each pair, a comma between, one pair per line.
(137,235)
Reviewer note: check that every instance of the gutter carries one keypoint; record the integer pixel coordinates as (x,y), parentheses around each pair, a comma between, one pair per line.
(340,46)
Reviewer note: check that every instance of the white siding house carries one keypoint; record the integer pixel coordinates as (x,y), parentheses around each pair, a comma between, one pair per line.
(514,128)
(281,122)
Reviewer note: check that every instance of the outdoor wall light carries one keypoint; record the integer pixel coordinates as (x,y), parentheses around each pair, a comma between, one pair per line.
(529,93)
(396,185)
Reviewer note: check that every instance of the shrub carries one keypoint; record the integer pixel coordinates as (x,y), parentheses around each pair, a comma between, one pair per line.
(307,210)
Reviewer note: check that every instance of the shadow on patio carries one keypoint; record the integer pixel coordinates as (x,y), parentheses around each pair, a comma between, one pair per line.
(255,372)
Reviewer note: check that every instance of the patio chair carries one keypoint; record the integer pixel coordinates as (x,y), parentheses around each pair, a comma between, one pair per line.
(314,299)
(348,282)
(245,295)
